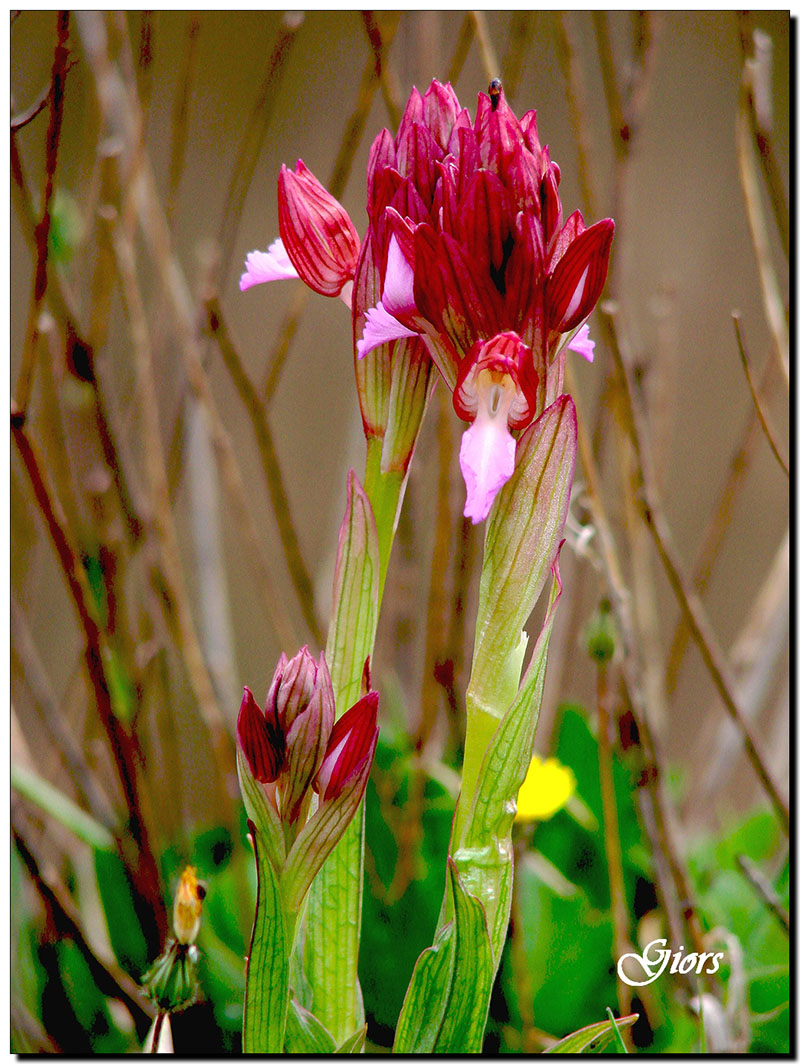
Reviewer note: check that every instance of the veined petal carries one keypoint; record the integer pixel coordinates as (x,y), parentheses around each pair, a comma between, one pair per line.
(319,237)
(487,462)
(581,344)
(398,285)
(270,265)
(380,327)
(575,284)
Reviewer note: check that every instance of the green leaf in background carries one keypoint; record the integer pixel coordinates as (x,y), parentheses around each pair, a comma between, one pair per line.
(57,805)
(86,1000)
(405,862)
(566,942)
(124,926)
(267,979)
(592,1039)
(305,1034)
(728,901)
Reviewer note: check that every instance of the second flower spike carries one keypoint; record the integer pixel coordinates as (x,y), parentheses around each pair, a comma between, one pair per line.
(286,743)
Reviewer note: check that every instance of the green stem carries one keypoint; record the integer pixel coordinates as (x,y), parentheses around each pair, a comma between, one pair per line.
(385,492)
(334,915)
(481,726)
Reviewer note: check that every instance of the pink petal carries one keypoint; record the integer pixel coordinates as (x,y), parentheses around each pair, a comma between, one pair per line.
(487,461)
(270,265)
(379,328)
(581,344)
(398,286)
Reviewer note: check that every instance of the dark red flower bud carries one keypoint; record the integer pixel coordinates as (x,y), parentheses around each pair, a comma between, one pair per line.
(578,279)
(319,238)
(261,740)
(350,747)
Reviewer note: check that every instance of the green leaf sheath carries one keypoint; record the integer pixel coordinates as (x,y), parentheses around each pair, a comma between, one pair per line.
(267,976)
(333,922)
(355,1042)
(592,1039)
(385,492)
(484,857)
(523,534)
(473,975)
(355,597)
(305,1034)
(259,810)
(426,998)
(447,1001)
(522,540)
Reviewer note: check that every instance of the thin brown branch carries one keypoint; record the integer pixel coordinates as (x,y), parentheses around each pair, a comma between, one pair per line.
(384,71)
(42,231)
(255,134)
(269,464)
(757,75)
(771,297)
(759,408)
(762,886)
(613,845)
(690,603)
(180,114)
(620,130)
(466,35)
(489,61)
(715,532)
(179,615)
(25,660)
(575,85)
(519,38)
(123,745)
(354,127)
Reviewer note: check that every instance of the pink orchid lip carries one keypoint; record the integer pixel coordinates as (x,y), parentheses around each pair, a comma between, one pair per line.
(270,265)
(487,455)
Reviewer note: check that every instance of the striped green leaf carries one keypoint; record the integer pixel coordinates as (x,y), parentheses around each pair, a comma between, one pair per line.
(592,1039)
(266,993)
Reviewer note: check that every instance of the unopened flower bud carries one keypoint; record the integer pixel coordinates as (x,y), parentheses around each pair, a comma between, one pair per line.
(260,738)
(319,238)
(351,746)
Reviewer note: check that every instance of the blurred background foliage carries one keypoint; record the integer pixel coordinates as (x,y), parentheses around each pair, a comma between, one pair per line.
(178,462)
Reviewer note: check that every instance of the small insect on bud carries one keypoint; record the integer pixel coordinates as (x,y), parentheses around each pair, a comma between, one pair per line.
(495,92)
(188,907)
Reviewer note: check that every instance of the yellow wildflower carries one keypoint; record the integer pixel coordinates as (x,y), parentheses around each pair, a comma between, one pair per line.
(547,788)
